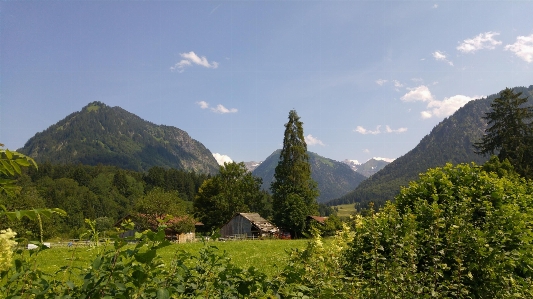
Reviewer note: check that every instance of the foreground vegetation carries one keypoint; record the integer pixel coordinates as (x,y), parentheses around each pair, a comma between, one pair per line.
(462,231)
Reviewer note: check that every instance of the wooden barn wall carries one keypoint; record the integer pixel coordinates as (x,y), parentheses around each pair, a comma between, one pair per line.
(237,226)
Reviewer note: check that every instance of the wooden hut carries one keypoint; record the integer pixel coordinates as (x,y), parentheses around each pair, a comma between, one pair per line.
(248,225)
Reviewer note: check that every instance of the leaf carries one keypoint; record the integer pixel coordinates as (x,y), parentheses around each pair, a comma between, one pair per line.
(7,167)
(145,257)
(8,153)
(97,263)
(163,294)
(15,166)
(22,162)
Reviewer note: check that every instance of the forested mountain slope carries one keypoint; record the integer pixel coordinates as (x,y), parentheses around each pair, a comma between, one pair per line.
(450,141)
(333,178)
(99,134)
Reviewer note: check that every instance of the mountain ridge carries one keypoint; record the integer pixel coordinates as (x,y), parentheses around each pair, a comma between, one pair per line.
(333,178)
(113,136)
(450,141)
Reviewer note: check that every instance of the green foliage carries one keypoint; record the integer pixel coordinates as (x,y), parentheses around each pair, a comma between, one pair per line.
(233,190)
(90,192)
(10,166)
(159,207)
(294,192)
(314,271)
(510,132)
(458,232)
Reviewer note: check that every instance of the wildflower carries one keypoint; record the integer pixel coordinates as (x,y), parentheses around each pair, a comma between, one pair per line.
(7,243)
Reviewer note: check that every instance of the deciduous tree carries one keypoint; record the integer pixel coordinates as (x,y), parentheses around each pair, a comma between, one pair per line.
(233,190)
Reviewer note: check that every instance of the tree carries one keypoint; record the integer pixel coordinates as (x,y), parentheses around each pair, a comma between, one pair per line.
(510,132)
(294,192)
(233,190)
(157,205)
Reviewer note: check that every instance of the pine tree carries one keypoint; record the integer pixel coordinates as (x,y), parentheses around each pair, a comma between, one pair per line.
(294,192)
(510,132)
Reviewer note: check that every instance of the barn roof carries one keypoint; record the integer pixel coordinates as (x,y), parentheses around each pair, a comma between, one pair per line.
(260,222)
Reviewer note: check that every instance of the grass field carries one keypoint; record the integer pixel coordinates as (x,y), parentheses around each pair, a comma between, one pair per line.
(269,256)
(345,210)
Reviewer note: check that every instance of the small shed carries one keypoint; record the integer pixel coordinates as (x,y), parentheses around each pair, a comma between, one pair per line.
(248,225)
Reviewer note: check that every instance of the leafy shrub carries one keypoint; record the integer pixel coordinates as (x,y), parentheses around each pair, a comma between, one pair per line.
(457,232)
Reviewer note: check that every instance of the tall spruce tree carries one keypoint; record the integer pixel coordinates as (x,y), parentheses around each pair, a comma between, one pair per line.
(294,192)
(510,132)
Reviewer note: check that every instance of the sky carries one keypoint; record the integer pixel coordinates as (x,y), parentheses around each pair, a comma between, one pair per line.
(367,78)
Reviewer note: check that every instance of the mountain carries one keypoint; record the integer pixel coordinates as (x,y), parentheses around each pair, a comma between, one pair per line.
(369,167)
(334,178)
(99,134)
(372,166)
(450,141)
(252,165)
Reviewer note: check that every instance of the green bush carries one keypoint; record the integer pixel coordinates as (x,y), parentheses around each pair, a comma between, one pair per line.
(458,232)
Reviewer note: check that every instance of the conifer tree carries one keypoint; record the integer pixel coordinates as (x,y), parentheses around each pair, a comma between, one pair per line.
(510,132)
(294,192)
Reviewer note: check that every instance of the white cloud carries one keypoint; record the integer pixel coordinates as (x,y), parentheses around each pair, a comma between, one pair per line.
(523,48)
(203,104)
(420,93)
(380,82)
(311,140)
(222,158)
(436,108)
(361,130)
(366,151)
(447,106)
(383,159)
(441,56)
(189,59)
(222,110)
(219,109)
(364,131)
(397,84)
(399,130)
(482,41)
(435,5)
(425,114)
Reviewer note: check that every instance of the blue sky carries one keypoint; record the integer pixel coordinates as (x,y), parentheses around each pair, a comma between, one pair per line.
(368,78)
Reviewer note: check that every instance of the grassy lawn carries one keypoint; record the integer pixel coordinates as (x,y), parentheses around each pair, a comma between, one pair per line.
(269,256)
(345,210)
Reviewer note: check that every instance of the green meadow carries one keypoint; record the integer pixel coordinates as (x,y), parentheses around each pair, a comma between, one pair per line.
(345,210)
(269,256)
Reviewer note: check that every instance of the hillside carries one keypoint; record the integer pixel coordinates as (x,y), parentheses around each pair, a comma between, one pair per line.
(450,141)
(99,134)
(334,178)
